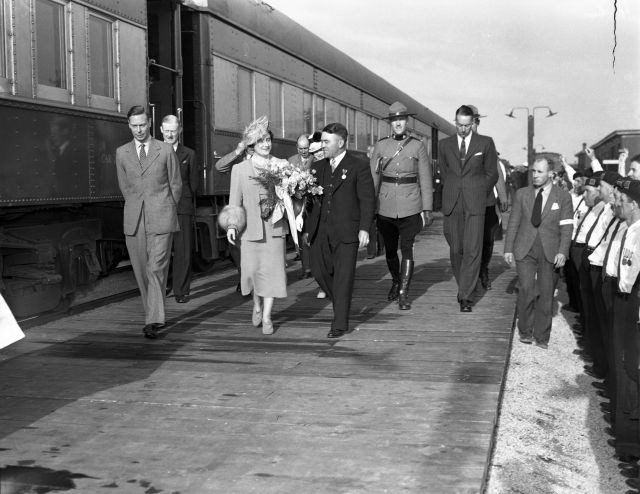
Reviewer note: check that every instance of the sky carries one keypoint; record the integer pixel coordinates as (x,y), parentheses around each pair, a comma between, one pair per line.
(497,55)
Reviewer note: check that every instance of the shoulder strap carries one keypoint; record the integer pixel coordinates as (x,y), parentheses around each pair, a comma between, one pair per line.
(380,169)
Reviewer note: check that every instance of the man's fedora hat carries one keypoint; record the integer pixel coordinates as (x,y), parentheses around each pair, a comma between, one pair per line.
(398,110)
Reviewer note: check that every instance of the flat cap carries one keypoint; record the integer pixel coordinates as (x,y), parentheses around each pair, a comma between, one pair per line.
(632,189)
(592,181)
(397,109)
(610,177)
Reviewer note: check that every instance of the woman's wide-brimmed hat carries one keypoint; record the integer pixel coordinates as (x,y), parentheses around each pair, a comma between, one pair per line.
(256,130)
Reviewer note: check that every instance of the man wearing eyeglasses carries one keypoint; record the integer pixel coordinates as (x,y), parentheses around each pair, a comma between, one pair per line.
(302,158)
(468,170)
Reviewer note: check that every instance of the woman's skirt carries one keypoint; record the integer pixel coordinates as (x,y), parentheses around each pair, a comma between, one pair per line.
(262,267)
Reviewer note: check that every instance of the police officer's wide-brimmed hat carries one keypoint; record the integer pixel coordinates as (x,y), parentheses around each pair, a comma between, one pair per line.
(632,189)
(398,110)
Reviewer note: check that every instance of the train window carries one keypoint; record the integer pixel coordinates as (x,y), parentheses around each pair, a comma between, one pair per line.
(275,107)
(307,112)
(335,112)
(374,129)
(3,44)
(383,128)
(351,126)
(319,112)
(101,57)
(232,96)
(294,123)
(50,44)
(362,131)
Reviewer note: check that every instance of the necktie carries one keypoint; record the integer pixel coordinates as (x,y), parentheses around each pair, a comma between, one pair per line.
(143,153)
(332,161)
(463,149)
(536,214)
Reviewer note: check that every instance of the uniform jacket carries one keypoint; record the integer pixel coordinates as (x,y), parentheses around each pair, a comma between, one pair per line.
(555,228)
(347,204)
(470,181)
(246,192)
(402,200)
(154,186)
(190,178)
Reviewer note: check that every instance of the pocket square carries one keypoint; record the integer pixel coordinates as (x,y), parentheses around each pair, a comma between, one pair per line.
(478,154)
(555,206)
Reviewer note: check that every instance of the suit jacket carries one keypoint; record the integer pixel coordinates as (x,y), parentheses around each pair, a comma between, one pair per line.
(470,181)
(190,178)
(246,192)
(154,186)
(303,163)
(347,204)
(555,228)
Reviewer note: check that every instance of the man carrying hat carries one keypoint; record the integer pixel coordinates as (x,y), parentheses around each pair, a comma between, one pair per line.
(468,169)
(402,177)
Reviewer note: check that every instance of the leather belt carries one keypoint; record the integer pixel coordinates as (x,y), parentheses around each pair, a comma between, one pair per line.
(399,180)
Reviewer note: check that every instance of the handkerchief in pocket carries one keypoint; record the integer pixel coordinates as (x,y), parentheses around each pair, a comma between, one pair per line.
(478,154)
(555,206)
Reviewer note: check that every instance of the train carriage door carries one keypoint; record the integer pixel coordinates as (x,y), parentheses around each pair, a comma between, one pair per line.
(165,59)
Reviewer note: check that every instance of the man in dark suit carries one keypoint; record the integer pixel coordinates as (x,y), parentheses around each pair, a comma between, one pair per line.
(149,178)
(538,239)
(171,129)
(338,222)
(469,172)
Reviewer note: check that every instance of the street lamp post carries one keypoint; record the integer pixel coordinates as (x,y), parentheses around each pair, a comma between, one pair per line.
(531,152)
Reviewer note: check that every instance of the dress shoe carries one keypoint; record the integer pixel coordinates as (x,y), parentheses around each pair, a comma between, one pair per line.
(526,339)
(633,483)
(599,385)
(182,299)
(593,372)
(336,333)
(605,407)
(267,327)
(484,279)
(542,344)
(256,317)
(239,288)
(370,256)
(150,331)
(465,305)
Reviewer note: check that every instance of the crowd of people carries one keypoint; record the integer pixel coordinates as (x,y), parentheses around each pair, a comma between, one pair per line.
(588,223)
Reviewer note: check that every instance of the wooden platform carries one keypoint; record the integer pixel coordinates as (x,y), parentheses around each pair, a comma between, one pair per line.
(405,403)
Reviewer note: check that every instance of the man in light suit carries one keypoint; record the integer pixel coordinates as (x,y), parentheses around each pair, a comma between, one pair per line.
(149,179)
(538,239)
(469,172)
(338,222)
(171,129)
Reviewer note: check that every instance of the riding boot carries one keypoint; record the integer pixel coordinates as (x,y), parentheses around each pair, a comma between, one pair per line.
(394,268)
(406,273)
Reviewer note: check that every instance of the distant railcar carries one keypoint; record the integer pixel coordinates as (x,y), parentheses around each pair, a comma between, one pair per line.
(69,71)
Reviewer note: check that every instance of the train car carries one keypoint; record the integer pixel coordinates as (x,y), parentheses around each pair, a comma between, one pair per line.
(69,71)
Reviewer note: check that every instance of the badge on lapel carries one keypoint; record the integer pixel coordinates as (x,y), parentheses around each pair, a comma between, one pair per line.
(344,173)
(555,206)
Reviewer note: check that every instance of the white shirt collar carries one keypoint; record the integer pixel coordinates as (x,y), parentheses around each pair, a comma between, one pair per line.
(467,139)
(338,159)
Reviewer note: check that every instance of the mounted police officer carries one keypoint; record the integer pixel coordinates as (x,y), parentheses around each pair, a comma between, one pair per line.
(402,177)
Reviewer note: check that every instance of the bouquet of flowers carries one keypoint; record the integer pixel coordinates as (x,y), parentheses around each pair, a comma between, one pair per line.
(287,185)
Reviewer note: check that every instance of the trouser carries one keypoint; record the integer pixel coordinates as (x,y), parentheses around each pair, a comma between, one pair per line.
(402,231)
(491,224)
(625,316)
(575,254)
(463,232)
(597,331)
(333,265)
(537,282)
(614,347)
(573,284)
(181,273)
(589,316)
(150,254)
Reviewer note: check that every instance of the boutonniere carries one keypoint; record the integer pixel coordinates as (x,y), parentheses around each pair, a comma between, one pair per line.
(313,171)
(344,173)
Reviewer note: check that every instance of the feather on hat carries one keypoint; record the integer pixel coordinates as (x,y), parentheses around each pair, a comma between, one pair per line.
(256,130)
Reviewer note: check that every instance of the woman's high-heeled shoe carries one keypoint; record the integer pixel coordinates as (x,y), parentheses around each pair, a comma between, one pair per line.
(256,317)
(267,327)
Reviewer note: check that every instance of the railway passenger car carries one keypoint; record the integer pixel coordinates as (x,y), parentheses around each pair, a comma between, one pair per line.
(69,71)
